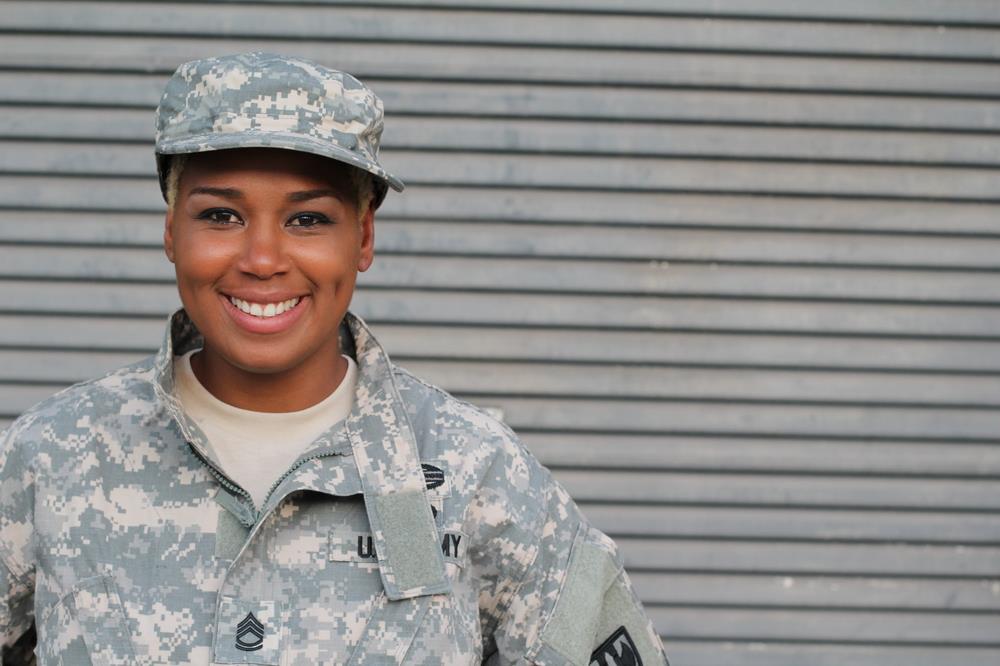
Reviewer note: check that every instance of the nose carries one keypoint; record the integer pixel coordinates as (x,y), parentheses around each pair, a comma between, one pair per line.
(263,253)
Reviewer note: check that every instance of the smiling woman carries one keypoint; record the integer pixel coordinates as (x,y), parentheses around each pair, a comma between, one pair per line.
(270,488)
(267,245)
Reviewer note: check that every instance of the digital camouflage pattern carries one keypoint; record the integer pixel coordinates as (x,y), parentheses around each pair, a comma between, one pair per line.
(417,531)
(264,100)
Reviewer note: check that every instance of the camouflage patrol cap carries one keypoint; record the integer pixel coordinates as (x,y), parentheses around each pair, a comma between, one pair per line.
(264,100)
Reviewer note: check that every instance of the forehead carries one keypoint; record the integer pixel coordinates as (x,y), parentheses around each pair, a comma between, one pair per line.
(276,164)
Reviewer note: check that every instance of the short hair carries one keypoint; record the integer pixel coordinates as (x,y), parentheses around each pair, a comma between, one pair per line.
(174,169)
(362,188)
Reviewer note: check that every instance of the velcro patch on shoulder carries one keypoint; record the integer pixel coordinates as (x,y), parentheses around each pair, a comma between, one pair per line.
(597,621)
(573,624)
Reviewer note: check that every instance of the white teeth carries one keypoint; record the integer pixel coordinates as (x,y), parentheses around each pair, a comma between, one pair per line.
(264,310)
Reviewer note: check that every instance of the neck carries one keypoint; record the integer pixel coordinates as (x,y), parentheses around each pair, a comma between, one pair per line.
(289,390)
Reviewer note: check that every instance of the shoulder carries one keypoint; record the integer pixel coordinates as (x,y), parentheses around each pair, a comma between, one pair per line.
(425,401)
(446,425)
(71,417)
(480,451)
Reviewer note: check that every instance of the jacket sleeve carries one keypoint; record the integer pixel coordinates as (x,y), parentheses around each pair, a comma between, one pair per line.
(17,571)
(574,604)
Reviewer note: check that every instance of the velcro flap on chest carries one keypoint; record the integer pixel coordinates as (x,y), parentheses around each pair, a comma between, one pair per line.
(406,541)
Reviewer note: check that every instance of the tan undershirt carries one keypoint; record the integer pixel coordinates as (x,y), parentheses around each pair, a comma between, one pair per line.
(255,448)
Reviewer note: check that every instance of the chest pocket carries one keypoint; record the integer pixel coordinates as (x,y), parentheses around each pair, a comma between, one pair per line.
(302,591)
(308,589)
(419,630)
(426,629)
(87,626)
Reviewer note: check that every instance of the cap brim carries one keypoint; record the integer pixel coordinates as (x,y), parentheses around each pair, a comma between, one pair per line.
(260,139)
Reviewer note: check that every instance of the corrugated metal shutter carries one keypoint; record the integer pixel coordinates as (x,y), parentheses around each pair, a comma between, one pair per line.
(730,268)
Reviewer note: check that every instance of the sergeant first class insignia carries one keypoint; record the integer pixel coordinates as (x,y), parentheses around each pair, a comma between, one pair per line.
(249,634)
(618,650)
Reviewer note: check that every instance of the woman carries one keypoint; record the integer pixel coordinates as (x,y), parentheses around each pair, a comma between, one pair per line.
(269,488)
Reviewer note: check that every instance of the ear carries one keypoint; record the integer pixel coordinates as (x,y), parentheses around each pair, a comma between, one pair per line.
(367,256)
(168,234)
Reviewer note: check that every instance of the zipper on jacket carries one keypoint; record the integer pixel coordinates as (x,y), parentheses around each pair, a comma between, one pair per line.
(257,516)
(224,480)
(176,412)
(288,472)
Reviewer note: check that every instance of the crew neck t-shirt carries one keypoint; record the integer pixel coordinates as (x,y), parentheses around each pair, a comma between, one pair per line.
(256,448)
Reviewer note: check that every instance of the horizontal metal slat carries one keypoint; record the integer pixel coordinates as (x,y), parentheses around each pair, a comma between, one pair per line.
(972,11)
(809,592)
(599,485)
(640,382)
(501,27)
(659,208)
(770,653)
(852,626)
(737,522)
(504,63)
(888,560)
(761,454)
(16,398)
(754,419)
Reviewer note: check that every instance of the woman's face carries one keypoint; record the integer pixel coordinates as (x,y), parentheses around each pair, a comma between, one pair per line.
(276,233)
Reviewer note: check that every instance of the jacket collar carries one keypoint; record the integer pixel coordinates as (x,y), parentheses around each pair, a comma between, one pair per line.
(356,340)
(378,434)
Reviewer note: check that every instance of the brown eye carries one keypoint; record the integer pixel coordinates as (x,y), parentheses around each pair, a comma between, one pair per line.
(308,220)
(219,216)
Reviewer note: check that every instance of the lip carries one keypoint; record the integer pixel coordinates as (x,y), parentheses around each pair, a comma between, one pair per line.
(268,325)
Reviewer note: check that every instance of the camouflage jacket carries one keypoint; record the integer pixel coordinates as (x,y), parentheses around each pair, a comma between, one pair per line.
(417,531)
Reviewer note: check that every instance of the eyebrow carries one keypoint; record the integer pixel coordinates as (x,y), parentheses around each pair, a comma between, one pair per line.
(233,193)
(306,195)
(225,192)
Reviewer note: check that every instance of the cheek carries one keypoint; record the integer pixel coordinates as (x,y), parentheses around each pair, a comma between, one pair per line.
(328,264)
(200,262)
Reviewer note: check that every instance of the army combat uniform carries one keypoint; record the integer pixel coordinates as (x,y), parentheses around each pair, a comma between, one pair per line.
(416,531)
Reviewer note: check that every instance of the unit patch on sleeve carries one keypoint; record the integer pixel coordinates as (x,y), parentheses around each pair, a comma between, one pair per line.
(618,650)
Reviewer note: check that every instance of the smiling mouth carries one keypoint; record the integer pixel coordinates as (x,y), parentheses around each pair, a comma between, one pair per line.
(264,310)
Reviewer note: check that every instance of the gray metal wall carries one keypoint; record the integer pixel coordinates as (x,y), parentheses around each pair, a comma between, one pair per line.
(730,267)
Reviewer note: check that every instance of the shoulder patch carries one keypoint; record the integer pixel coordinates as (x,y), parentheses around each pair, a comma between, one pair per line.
(434,476)
(617,650)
